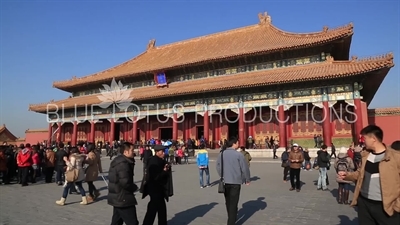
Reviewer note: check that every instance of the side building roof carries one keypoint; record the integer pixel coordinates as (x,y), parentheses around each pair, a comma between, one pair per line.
(8,135)
(329,69)
(255,39)
(390,111)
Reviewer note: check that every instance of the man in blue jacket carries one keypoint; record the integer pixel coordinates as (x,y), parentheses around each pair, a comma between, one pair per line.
(202,163)
(235,173)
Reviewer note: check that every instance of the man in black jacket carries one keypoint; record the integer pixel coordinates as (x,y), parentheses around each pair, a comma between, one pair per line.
(121,187)
(61,156)
(147,154)
(323,162)
(158,185)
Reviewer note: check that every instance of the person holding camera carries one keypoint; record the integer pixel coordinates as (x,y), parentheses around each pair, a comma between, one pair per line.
(157,183)
(121,187)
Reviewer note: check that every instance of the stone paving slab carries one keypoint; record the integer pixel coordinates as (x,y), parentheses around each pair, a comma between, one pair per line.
(266,200)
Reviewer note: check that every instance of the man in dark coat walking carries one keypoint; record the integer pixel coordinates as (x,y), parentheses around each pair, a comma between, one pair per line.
(147,154)
(121,187)
(157,183)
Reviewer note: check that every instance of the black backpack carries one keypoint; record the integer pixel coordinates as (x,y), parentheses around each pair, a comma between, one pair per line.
(315,164)
(342,165)
(357,156)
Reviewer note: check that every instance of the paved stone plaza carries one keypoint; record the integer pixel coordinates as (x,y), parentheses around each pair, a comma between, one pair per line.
(266,201)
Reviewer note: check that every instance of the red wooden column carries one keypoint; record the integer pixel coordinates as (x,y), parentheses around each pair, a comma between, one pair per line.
(358,112)
(253,128)
(326,124)
(74,133)
(251,123)
(148,131)
(174,126)
(187,128)
(219,131)
(49,134)
(126,131)
(282,127)
(92,132)
(206,126)
(134,129)
(59,126)
(112,130)
(242,138)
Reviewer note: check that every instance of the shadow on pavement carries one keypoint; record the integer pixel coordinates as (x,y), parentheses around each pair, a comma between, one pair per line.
(249,209)
(187,216)
(345,220)
(254,178)
(334,193)
(214,183)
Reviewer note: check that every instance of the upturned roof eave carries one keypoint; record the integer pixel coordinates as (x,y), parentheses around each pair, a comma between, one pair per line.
(337,34)
(70,88)
(375,64)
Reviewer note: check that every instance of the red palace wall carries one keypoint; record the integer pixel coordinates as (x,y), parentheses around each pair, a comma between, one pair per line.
(390,125)
(35,137)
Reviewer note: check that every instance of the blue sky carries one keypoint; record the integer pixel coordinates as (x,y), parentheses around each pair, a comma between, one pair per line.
(45,41)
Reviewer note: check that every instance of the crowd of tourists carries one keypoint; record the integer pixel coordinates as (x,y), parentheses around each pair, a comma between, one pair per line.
(27,163)
(373,167)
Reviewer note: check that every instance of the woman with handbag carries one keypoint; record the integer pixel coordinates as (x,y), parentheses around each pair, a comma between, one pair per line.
(92,172)
(74,174)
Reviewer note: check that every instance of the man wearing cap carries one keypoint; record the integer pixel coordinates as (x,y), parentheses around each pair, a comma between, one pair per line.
(156,185)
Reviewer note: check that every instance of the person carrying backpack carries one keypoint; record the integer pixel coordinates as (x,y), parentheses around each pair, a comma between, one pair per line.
(343,163)
(246,155)
(357,157)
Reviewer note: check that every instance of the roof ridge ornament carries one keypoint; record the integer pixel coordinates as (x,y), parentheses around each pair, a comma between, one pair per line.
(354,58)
(151,44)
(330,58)
(264,18)
(325,29)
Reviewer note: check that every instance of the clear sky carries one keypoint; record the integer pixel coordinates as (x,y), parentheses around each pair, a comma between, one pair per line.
(46,41)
